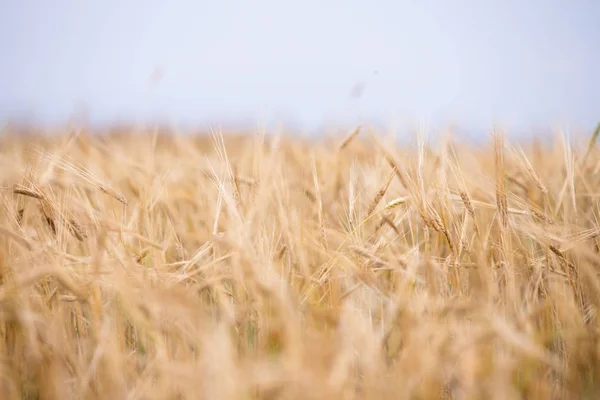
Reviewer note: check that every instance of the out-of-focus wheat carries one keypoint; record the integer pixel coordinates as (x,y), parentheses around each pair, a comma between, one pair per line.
(150,266)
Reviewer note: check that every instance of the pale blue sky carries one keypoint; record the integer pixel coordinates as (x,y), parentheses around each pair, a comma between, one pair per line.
(521,63)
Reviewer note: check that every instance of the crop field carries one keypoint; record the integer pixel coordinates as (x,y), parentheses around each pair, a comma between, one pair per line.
(138,265)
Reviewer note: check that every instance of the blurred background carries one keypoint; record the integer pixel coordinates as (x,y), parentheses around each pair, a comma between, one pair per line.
(525,64)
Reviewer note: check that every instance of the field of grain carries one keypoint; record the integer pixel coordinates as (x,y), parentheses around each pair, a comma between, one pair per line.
(145,266)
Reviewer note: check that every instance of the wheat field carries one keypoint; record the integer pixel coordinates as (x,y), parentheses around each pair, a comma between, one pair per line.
(146,266)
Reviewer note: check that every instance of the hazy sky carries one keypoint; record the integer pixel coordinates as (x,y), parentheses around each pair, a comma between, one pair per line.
(473,62)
